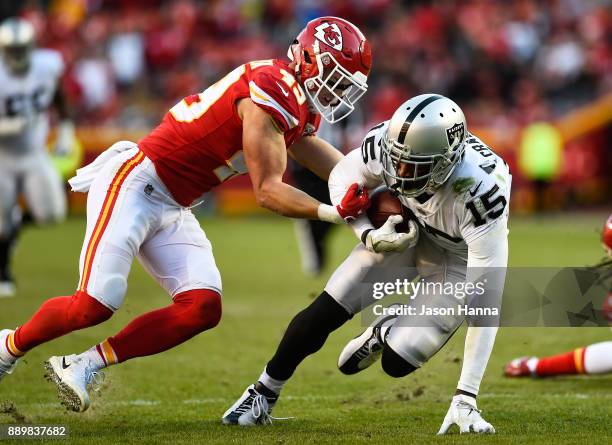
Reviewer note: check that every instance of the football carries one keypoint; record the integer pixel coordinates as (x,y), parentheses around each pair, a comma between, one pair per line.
(382,205)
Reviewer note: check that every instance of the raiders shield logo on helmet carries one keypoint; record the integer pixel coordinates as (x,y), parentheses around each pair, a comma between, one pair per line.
(455,134)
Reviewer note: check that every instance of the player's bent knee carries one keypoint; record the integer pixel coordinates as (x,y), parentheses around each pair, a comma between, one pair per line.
(209,308)
(418,344)
(205,307)
(112,290)
(85,311)
(394,365)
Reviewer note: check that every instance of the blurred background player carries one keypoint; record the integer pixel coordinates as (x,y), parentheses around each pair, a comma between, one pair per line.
(30,80)
(592,359)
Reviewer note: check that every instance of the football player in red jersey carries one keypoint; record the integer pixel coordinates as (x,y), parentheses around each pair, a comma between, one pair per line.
(592,359)
(139,197)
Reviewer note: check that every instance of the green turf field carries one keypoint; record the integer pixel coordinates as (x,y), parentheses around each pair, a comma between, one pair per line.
(179,396)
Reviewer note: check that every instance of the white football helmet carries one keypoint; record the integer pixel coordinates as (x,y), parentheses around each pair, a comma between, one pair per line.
(16,43)
(423,143)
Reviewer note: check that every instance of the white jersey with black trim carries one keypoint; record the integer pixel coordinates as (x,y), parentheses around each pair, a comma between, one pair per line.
(467,217)
(24,102)
(474,201)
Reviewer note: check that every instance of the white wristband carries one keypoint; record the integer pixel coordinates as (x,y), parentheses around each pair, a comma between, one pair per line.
(360,225)
(329,213)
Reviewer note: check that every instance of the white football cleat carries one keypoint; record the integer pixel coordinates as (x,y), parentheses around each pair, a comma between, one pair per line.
(252,408)
(7,361)
(365,349)
(7,289)
(72,376)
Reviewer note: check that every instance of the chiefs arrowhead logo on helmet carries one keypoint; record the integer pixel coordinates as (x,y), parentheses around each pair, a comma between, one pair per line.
(332,60)
(330,34)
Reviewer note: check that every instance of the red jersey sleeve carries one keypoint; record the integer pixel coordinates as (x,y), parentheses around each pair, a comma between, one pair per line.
(270,92)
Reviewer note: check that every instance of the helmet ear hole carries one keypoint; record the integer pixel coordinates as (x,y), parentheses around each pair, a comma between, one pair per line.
(307,58)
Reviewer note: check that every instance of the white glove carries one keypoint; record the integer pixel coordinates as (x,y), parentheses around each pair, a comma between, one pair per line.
(463,412)
(65,138)
(386,239)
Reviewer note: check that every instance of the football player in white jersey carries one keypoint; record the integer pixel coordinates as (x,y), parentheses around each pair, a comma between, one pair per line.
(30,80)
(458,191)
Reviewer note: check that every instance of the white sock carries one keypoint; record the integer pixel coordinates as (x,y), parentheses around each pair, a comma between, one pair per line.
(598,358)
(8,351)
(4,354)
(532,364)
(272,384)
(93,356)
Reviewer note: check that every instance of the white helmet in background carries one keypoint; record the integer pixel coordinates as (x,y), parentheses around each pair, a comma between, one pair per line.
(423,143)
(16,43)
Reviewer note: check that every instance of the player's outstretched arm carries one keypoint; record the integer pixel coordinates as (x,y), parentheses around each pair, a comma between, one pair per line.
(487,256)
(352,170)
(487,261)
(266,158)
(316,154)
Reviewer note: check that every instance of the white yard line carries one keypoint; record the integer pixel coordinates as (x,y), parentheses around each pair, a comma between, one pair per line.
(315,398)
(567,395)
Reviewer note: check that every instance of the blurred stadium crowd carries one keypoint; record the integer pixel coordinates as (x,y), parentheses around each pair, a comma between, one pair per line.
(507,63)
(511,66)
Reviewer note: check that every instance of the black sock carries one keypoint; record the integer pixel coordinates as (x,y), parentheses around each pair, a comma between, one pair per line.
(306,334)
(6,245)
(263,389)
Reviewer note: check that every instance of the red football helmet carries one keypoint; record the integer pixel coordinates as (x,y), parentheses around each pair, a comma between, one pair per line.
(606,236)
(333,60)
